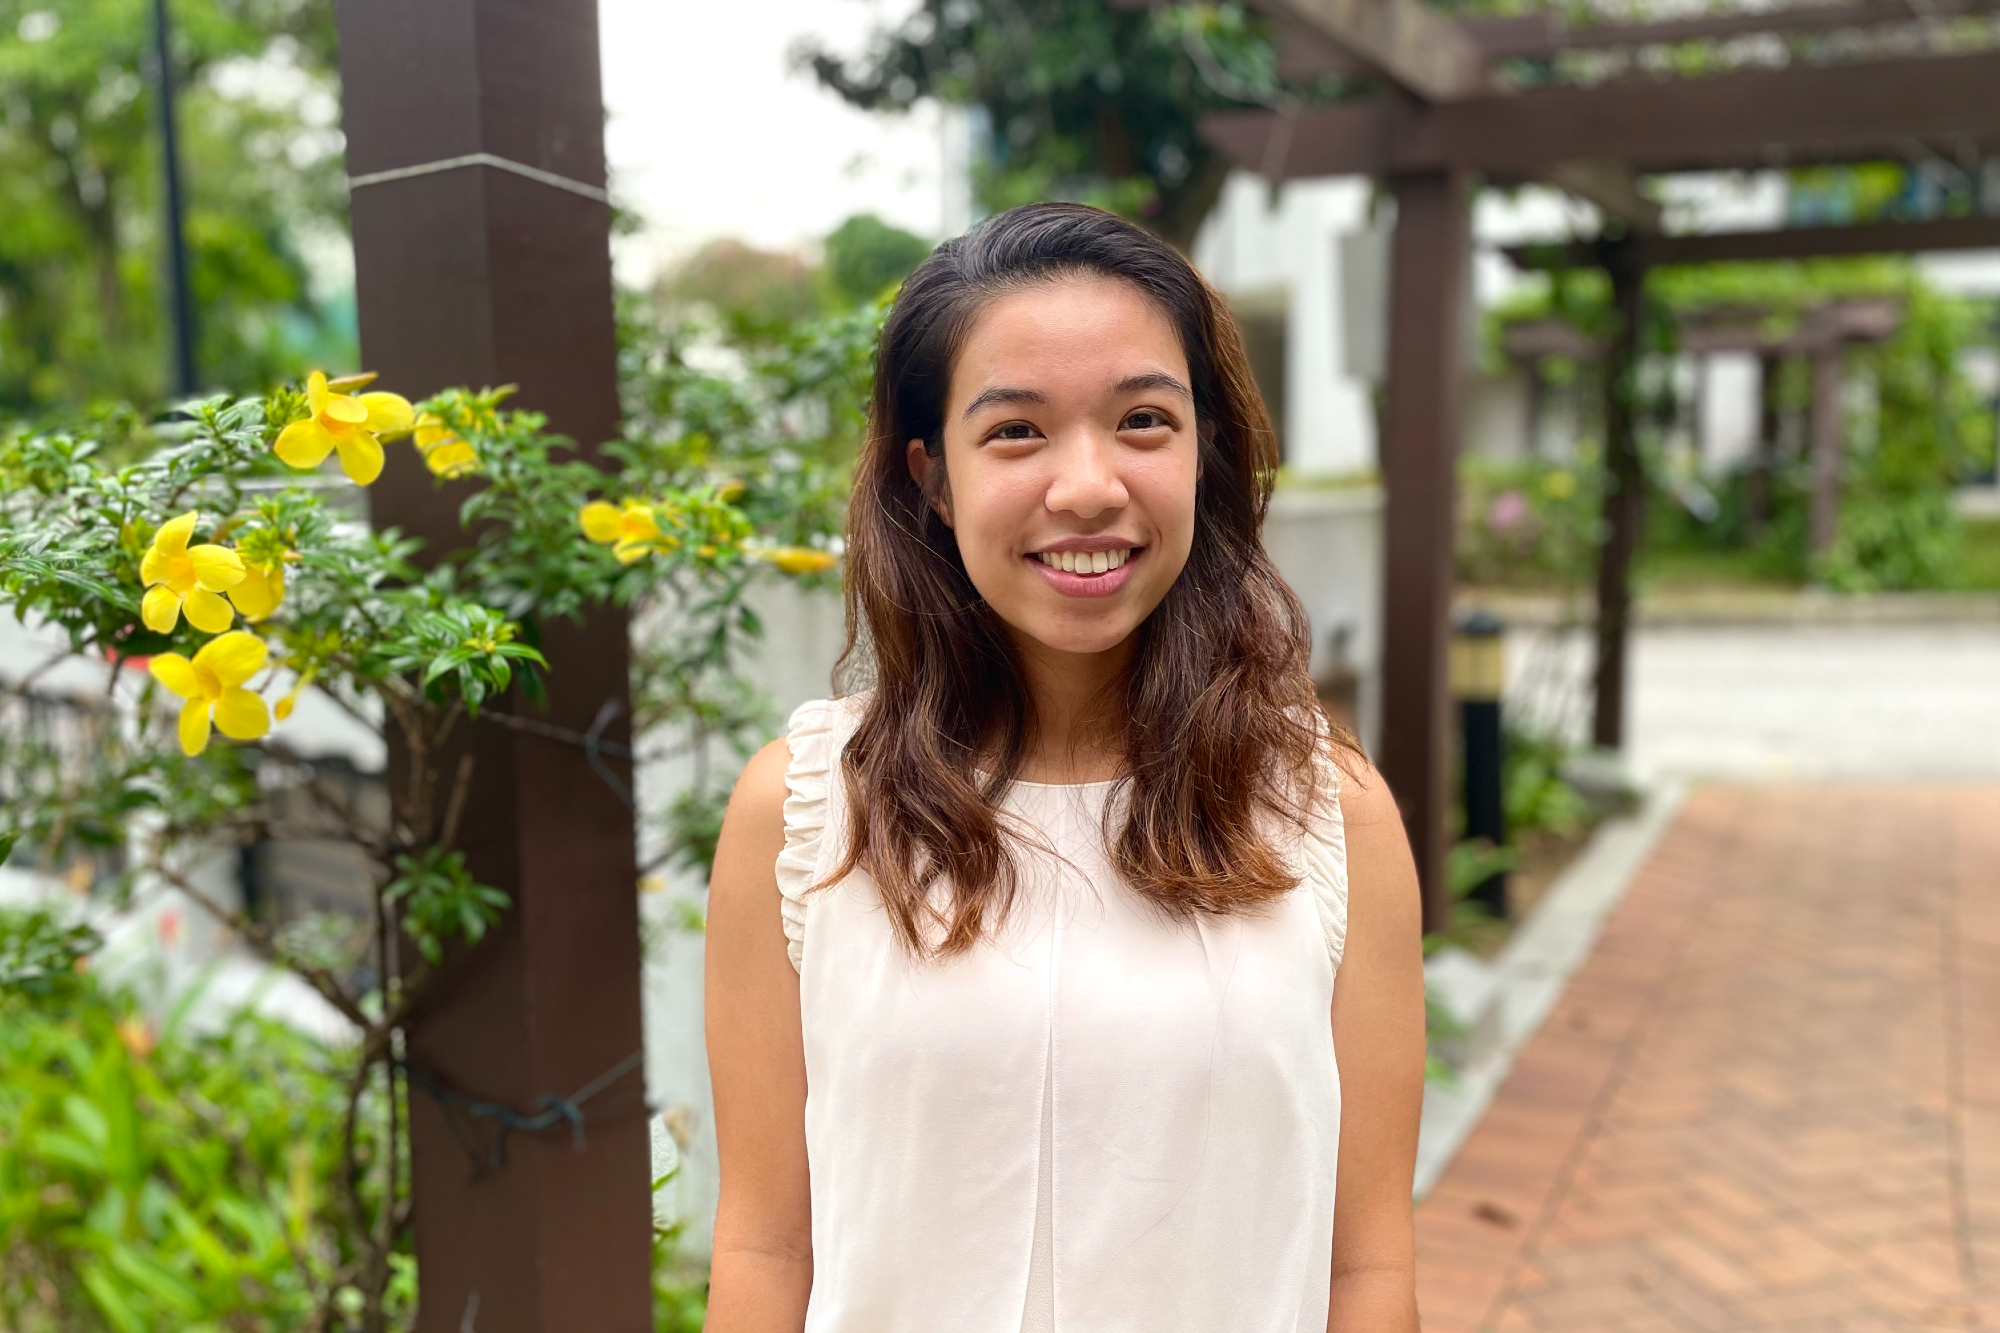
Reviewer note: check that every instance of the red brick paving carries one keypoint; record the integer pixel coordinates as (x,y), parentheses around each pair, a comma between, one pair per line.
(1769,1101)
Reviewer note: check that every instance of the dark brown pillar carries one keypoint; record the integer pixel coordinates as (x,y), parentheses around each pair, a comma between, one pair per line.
(1420,438)
(1624,499)
(487,273)
(1764,467)
(1828,447)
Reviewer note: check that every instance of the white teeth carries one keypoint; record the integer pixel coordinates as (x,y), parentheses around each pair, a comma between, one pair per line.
(1084,562)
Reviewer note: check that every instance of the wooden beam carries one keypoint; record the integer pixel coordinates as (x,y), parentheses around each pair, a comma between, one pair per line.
(1613,190)
(1871,111)
(1542,37)
(490,271)
(1867,238)
(1406,41)
(1422,420)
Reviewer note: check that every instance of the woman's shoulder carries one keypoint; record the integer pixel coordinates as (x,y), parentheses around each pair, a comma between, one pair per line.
(801,755)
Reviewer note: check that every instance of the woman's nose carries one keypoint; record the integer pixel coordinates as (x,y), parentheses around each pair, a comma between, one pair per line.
(1086,482)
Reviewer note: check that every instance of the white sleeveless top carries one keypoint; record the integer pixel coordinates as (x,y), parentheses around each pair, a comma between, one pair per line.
(1100,1121)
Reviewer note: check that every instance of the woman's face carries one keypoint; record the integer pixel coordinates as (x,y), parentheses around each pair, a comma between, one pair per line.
(1070,451)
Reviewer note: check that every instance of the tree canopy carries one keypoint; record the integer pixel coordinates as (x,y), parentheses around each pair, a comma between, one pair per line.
(1077,99)
(82,266)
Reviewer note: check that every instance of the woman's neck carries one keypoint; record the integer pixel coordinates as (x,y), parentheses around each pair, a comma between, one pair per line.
(1078,731)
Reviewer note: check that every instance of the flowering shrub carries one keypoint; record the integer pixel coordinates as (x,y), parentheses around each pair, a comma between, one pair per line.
(227,559)
(1532,522)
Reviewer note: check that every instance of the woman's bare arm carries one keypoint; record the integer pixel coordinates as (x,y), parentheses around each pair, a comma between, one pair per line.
(1378,1033)
(762,1271)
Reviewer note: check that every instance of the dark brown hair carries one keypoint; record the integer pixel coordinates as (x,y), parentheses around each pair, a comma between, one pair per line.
(1220,720)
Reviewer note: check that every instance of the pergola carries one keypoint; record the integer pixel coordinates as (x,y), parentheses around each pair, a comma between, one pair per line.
(1594,110)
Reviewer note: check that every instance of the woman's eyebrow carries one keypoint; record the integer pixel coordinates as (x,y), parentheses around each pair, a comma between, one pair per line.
(1158,379)
(987,397)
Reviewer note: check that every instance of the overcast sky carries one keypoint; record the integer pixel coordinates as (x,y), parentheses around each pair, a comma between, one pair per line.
(711,134)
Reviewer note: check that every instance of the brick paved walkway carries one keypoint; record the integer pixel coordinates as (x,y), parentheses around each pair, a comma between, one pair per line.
(1769,1101)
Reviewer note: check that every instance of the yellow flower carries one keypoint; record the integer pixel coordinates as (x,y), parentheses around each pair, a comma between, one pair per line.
(799,559)
(258,595)
(445,452)
(136,1035)
(179,578)
(1559,484)
(632,532)
(353,425)
(284,706)
(212,684)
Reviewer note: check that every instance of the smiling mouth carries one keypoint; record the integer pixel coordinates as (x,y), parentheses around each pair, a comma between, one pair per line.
(1085,562)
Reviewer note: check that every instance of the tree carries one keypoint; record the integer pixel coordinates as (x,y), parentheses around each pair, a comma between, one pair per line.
(864,255)
(1080,100)
(81,264)
(753,292)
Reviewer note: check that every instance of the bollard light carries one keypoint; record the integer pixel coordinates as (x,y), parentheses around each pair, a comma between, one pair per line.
(1479,657)
(1478,678)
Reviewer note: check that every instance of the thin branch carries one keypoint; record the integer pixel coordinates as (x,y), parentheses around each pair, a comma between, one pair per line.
(259,937)
(461,786)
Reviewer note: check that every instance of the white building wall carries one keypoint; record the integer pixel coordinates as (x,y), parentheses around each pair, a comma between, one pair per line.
(1257,242)
(1731,404)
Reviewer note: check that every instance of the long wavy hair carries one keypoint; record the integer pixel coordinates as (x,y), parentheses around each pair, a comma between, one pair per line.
(1220,720)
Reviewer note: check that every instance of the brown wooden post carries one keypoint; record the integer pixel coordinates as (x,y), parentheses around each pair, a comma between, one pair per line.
(1828,447)
(1624,497)
(1764,466)
(1422,419)
(488,271)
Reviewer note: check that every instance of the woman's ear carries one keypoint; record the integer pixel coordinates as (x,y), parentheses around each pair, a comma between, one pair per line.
(920,464)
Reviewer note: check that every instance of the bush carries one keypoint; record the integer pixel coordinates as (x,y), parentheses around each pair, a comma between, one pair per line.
(152,1178)
(1531,522)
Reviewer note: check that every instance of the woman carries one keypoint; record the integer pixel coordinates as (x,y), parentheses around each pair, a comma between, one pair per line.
(1021,960)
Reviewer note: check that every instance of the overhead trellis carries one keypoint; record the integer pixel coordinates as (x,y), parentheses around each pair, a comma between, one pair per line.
(1597,105)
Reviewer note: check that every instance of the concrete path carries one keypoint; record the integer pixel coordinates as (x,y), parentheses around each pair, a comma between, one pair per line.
(1786,702)
(1769,1101)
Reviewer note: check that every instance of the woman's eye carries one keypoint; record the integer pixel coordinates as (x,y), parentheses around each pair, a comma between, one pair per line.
(1146,419)
(1015,430)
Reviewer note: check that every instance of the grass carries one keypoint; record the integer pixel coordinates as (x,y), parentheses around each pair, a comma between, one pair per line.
(1696,567)
(1980,561)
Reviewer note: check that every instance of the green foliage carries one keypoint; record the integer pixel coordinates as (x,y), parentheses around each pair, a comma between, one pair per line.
(155,1178)
(441,901)
(39,955)
(680,1294)
(732,477)
(1930,430)
(1980,563)
(1533,790)
(755,293)
(81,260)
(1473,862)
(779,432)
(1895,542)
(865,256)
(1534,522)
(1081,99)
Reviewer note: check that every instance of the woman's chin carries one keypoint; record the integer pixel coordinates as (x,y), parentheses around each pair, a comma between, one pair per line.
(1074,640)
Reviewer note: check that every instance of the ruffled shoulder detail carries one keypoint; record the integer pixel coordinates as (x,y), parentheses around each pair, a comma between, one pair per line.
(1324,854)
(810,734)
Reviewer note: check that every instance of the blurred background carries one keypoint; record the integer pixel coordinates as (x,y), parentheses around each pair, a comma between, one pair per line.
(1814,537)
